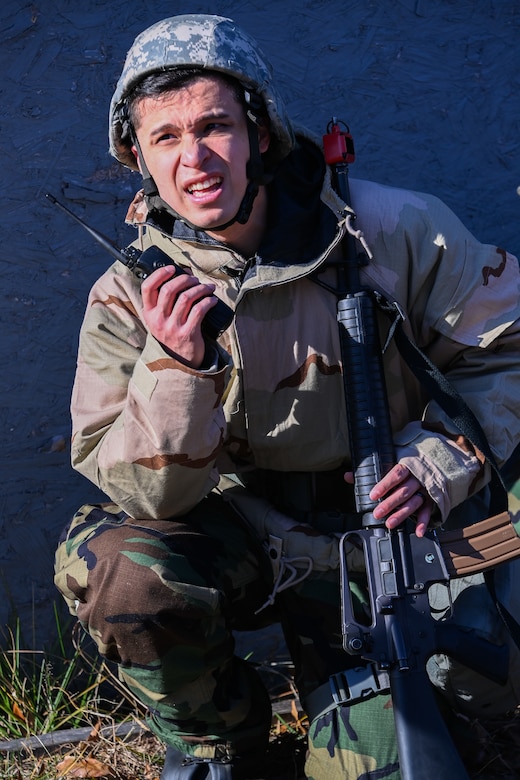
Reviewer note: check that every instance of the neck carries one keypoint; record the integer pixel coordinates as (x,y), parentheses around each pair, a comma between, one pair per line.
(246,238)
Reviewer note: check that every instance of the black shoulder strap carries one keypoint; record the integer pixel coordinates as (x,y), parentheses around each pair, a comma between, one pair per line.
(443,392)
(448,398)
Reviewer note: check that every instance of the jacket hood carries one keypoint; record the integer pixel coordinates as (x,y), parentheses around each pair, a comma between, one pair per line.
(300,224)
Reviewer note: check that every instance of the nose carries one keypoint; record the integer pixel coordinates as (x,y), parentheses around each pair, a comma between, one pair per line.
(193,151)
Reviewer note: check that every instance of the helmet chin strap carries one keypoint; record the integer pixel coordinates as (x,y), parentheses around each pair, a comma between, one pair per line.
(254,171)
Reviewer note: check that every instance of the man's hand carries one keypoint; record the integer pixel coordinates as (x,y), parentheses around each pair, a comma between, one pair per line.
(173,309)
(401,495)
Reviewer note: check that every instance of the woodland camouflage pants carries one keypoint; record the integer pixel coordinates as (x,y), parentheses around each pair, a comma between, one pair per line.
(162,598)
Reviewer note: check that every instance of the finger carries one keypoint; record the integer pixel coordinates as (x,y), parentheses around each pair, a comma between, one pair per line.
(398,516)
(423,519)
(418,507)
(193,302)
(152,285)
(175,296)
(404,495)
(198,312)
(395,477)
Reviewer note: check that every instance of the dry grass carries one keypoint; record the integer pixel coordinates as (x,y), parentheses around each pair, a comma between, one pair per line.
(110,758)
(498,756)
(101,751)
(137,758)
(105,749)
(140,757)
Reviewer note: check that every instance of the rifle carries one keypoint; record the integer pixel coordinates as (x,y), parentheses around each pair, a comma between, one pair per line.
(401,634)
(142,264)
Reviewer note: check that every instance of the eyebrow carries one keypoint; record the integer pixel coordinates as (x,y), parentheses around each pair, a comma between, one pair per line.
(210,117)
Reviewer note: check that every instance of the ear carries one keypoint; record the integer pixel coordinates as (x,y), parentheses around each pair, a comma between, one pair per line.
(264,138)
(134,152)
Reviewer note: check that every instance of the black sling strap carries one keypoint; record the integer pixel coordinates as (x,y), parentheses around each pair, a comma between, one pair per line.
(448,398)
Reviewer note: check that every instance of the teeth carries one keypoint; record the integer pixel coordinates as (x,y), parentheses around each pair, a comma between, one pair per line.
(205,185)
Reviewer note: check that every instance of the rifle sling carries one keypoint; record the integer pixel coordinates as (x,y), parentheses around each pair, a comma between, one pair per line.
(448,398)
(443,392)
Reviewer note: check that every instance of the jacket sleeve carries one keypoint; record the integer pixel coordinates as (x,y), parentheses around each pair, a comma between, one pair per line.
(462,304)
(135,431)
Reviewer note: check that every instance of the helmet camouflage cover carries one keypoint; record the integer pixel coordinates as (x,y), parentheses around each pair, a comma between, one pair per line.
(212,43)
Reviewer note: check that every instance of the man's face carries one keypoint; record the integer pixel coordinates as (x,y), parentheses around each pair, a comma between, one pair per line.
(195,144)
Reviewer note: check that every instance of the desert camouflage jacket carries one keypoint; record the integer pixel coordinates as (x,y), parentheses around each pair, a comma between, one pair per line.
(156,436)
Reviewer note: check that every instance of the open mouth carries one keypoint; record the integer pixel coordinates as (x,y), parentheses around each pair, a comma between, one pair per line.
(201,188)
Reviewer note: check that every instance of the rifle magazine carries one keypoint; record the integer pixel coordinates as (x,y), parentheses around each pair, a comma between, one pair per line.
(480,546)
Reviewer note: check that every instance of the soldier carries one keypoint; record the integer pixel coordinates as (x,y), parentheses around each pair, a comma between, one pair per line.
(227,458)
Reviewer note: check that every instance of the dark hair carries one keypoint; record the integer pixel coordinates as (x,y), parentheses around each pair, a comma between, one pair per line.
(157,84)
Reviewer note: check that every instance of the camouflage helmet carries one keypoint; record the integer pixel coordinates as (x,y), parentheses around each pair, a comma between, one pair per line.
(213,43)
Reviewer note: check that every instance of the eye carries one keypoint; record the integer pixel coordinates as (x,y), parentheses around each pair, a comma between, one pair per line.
(166,137)
(216,127)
